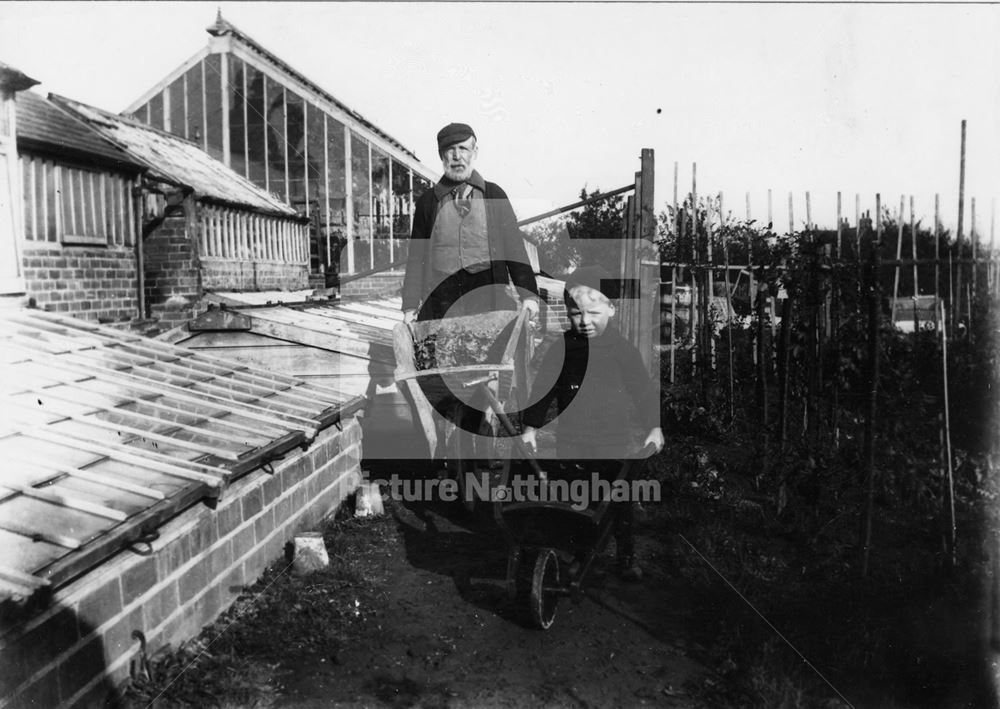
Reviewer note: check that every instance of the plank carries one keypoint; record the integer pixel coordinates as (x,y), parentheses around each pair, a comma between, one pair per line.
(72,363)
(88,420)
(89,475)
(154,346)
(66,501)
(20,552)
(335,342)
(28,581)
(347,312)
(144,459)
(170,424)
(381,314)
(207,341)
(184,368)
(213,416)
(303,360)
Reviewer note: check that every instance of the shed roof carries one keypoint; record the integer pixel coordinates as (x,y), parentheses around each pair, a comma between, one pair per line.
(44,126)
(107,434)
(177,161)
(13,79)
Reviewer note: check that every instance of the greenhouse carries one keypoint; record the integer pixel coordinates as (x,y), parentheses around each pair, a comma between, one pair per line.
(266,121)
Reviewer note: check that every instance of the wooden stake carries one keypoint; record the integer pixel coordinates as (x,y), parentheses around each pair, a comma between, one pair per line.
(937,254)
(956,312)
(835,330)
(913,249)
(857,225)
(674,226)
(784,360)
(840,227)
(791,216)
(992,261)
(673,283)
(700,353)
(709,291)
(974,241)
(763,359)
(951,288)
(899,255)
(874,317)
(729,310)
(673,321)
(770,212)
(947,443)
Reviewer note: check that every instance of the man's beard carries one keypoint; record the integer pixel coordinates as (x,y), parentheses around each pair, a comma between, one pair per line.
(458,174)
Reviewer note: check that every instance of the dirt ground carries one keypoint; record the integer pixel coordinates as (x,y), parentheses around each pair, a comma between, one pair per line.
(413,612)
(442,633)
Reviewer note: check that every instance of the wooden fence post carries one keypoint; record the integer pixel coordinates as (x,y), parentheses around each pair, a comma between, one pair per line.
(874,322)
(763,364)
(956,305)
(784,362)
(835,329)
(950,497)
(937,257)
(729,309)
(647,304)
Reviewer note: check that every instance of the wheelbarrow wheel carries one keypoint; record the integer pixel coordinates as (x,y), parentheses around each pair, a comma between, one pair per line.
(544,584)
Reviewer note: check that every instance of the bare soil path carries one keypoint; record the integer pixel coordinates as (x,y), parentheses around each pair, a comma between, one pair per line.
(441,632)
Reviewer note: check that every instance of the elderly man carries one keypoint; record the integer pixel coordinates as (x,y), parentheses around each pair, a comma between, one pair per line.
(465,247)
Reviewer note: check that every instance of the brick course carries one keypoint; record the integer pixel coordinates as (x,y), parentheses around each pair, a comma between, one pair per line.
(172,272)
(227,274)
(105,290)
(378,284)
(80,647)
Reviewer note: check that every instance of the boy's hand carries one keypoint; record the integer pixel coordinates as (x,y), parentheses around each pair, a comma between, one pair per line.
(531,305)
(656,438)
(528,438)
(409,316)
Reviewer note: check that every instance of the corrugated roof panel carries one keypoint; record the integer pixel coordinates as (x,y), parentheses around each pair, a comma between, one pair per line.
(40,122)
(107,434)
(178,161)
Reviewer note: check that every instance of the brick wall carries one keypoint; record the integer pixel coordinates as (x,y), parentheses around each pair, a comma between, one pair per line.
(96,283)
(79,650)
(377,284)
(173,285)
(553,313)
(232,275)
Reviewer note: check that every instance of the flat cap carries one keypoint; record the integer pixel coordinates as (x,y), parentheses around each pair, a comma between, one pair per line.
(593,277)
(454,133)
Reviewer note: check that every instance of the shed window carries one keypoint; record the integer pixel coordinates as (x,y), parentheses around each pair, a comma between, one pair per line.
(75,205)
(82,207)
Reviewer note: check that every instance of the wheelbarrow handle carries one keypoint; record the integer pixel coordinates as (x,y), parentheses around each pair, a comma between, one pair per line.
(508,427)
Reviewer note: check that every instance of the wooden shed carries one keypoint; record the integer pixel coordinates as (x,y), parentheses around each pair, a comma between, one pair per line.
(204,226)
(76,228)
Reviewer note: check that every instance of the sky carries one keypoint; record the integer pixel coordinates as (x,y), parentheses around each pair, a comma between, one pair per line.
(792,98)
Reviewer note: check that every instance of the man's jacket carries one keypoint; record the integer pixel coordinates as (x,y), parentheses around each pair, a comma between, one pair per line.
(508,258)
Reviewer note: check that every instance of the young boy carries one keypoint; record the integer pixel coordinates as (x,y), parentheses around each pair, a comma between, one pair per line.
(597,379)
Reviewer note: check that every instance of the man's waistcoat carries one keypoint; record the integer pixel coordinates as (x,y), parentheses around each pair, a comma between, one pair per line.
(460,242)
